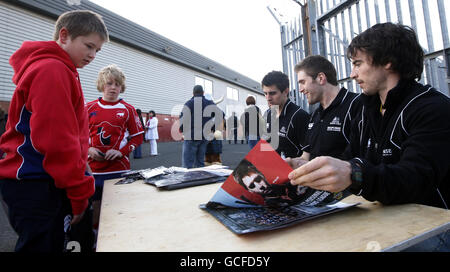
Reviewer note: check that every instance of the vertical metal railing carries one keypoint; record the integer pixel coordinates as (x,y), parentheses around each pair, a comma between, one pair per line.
(326,27)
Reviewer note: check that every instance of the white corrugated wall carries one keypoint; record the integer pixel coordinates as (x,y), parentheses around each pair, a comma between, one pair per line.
(152,83)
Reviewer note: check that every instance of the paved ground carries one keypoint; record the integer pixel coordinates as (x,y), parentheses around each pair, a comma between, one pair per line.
(170,155)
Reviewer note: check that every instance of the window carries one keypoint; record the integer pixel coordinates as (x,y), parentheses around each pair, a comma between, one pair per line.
(206,84)
(232,94)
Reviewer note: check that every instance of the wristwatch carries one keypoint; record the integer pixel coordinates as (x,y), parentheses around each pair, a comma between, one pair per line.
(356,177)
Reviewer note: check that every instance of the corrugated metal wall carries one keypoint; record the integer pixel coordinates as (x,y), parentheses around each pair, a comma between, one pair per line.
(152,83)
(15,27)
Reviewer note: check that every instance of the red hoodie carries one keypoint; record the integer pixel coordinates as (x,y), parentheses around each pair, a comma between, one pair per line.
(47,135)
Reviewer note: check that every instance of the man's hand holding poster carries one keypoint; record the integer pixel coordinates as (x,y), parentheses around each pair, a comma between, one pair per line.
(260,183)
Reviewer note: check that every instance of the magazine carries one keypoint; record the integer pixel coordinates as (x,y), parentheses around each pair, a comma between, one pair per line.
(258,195)
(184,179)
(176,177)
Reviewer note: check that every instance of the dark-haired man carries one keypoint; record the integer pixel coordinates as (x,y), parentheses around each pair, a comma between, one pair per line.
(399,151)
(286,122)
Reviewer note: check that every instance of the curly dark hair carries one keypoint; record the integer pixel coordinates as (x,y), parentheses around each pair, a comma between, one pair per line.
(391,43)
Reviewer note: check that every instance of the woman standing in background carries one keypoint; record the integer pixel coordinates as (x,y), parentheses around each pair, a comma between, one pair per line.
(152,132)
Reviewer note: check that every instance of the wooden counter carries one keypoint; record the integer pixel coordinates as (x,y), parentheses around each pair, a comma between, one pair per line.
(139,217)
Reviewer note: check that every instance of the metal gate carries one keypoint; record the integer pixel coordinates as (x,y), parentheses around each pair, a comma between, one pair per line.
(326,27)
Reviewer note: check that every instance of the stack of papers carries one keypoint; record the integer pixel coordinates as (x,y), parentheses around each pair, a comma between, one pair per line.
(177,177)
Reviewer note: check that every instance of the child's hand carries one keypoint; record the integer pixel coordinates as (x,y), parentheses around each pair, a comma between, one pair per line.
(96,154)
(76,218)
(113,154)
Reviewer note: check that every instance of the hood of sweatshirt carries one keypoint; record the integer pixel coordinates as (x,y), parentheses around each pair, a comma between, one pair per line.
(32,51)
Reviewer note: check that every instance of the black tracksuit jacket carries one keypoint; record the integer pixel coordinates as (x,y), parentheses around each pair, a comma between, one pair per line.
(405,154)
(292,125)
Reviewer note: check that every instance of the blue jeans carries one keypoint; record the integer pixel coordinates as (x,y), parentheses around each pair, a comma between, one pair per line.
(252,143)
(137,153)
(194,153)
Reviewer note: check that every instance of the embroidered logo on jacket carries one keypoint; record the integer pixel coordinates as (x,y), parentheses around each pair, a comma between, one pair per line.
(336,121)
(282,132)
(387,152)
(335,129)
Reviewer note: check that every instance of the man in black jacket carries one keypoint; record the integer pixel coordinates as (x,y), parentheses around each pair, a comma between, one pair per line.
(329,127)
(399,151)
(286,122)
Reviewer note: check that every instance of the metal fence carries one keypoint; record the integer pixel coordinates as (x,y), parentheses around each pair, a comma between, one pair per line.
(326,27)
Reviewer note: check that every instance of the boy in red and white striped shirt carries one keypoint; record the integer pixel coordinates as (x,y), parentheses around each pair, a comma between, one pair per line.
(114,131)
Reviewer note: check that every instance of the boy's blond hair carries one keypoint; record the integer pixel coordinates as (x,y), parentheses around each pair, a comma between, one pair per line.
(110,72)
(81,23)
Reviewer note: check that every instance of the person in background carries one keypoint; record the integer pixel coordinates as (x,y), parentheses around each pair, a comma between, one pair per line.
(196,113)
(252,122)
(214,146)
(44,177)
(152,132)
(232,128)
(137,153)
(114,132)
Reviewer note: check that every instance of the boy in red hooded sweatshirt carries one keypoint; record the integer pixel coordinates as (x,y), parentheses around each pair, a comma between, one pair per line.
(43,178)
